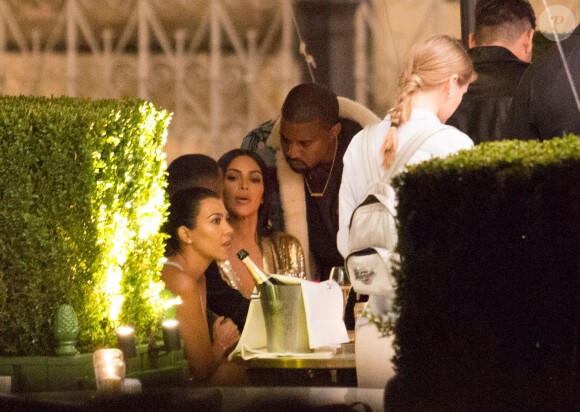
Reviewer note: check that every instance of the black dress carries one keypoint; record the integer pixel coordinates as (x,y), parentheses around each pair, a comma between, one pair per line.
(224,300)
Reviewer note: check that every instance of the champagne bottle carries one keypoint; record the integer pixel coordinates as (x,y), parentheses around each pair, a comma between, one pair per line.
(260,278)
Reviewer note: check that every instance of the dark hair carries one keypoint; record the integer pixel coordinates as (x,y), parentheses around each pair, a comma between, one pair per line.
(188,170)
(184,207)
(311,101)
(503,20)
(264,227)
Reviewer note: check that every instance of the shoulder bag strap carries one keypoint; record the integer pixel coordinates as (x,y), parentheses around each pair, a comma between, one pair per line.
(409,149)
(367,150)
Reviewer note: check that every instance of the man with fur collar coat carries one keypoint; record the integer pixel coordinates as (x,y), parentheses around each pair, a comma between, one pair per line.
(313,132)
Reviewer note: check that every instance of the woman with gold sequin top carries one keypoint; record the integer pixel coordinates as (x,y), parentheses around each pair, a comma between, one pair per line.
(247,196)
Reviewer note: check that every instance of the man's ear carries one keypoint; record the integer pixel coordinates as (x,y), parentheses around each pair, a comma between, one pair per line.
(471,41)
(335,129)
(527,44)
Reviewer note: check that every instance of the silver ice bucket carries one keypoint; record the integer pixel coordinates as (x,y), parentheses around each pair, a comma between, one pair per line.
(285,318)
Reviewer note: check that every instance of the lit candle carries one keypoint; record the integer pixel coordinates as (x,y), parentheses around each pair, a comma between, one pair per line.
(111,381)
(109,369)
(108,355)
(126,341)
(171,336)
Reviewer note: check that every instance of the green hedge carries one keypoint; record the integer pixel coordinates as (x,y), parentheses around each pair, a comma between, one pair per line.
(81,202)
(488,293)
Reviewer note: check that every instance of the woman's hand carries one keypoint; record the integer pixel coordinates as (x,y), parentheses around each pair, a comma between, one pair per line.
(225,333)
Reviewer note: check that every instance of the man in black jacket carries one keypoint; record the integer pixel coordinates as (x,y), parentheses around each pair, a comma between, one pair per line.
(501,49)
(544,104)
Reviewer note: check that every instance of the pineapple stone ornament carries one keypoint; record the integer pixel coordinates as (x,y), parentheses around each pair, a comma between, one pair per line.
(66,328)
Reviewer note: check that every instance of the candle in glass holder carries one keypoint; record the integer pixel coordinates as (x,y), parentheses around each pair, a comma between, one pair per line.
(109,370)
(112,381)
(106,355)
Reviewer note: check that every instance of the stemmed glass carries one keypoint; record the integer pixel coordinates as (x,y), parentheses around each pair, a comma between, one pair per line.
(338,274)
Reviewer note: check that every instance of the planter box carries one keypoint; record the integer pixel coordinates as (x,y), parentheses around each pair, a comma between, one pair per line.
(52,373)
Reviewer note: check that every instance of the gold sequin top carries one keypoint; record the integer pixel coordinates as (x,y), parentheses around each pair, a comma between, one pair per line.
(281,254)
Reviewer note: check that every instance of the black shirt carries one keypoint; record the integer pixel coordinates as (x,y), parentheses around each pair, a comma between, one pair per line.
(322,212)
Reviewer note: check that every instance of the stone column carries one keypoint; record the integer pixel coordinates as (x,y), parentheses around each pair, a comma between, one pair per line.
(327,28)
(467,9)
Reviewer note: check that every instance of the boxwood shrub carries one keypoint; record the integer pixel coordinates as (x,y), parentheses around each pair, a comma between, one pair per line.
(81,202)
(488,286)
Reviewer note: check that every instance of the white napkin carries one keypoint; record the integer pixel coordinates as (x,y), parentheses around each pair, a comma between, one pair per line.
(131,386)
(250,353)
(254,333)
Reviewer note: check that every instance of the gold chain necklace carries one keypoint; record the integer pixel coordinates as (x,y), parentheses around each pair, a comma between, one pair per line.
(320,194)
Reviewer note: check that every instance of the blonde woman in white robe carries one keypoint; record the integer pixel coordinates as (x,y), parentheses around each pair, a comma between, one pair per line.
(436,76)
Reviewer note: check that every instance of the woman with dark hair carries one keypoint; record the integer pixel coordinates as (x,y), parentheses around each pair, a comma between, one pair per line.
(247,195)
(199,234)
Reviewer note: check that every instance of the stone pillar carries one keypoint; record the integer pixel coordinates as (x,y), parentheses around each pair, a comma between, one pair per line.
(467,9)
(327,27)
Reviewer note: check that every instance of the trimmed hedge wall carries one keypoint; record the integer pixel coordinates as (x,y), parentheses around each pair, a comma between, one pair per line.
(488,286)
(81,202)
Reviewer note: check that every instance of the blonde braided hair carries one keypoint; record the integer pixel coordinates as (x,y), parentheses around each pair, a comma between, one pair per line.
(430,63)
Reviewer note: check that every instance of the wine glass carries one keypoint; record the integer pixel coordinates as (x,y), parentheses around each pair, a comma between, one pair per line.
(338,274)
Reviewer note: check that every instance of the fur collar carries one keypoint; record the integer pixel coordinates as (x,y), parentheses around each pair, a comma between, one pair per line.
(292,194)
(293,202)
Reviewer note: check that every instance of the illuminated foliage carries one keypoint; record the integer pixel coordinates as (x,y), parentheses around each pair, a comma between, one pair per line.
(82,186)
